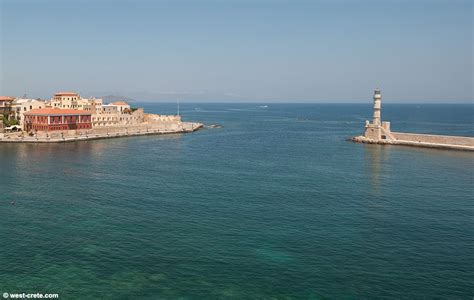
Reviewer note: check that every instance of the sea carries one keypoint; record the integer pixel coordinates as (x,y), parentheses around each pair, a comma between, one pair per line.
(276,204)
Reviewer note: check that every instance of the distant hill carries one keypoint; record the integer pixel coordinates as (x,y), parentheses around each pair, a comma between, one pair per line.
(114,98)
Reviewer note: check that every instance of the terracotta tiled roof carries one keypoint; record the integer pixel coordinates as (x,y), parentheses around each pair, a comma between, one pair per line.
(6,98)
(56,111)
(66,94)
(119,103)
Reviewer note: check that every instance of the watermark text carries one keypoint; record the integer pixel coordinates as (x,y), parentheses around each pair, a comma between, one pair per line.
(29,296)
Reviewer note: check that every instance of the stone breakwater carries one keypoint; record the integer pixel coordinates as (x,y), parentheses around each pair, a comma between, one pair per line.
(422,140)
(378,132)
(101,133)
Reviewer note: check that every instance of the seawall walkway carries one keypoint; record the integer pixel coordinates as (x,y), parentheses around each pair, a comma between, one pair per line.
(423,140)
(101,133)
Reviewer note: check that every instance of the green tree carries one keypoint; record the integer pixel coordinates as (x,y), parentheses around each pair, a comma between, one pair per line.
(7,122)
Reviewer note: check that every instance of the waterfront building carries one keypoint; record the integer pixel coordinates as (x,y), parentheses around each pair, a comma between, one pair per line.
(130,117)
(109,109)
(112,114)
(20,106)
(52,119)
(105,115)
(71,100)
(5,105)
(89,104)
(65,100)
(121,106)
(117,113)
(111,117)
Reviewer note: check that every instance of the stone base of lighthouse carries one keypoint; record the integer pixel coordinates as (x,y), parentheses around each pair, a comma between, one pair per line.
(378,132)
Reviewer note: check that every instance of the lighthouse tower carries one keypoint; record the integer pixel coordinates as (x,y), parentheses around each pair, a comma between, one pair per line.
(377,130)
(377,105)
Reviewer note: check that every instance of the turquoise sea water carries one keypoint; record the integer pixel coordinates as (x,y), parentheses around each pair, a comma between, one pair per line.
(276,204)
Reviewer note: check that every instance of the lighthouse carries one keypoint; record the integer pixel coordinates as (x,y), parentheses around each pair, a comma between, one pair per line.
(377,105)
(377,130)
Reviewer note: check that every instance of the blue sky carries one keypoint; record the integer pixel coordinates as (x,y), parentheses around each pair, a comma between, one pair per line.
(237,50)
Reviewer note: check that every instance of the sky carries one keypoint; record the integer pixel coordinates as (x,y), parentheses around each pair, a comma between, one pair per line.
(239,50)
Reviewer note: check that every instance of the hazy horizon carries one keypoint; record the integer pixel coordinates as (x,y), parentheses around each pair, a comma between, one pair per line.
(235,51)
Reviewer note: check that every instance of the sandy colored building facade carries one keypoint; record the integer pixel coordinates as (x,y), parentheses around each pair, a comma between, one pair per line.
(114,115)
(67,110)
(65,100)
(122,106)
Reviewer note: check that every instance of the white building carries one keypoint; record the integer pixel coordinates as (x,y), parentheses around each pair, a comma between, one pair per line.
(20,106)
(116,113)
(121,106)
(89,104)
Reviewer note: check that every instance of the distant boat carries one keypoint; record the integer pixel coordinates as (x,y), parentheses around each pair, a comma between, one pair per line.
(263,106)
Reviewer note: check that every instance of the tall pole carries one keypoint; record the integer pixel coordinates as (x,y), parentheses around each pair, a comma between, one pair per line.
(178,106)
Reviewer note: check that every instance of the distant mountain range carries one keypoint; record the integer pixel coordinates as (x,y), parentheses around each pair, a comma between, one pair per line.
(163,96)
(114,98)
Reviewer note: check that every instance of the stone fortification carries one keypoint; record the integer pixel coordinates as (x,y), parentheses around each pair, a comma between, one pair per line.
(101,133)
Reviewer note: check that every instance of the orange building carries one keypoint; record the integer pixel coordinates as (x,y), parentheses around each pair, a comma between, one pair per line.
(50,119)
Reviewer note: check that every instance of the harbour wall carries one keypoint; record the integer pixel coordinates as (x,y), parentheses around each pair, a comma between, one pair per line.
(422,140)
(434,139)
(101,133)
(378,132)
